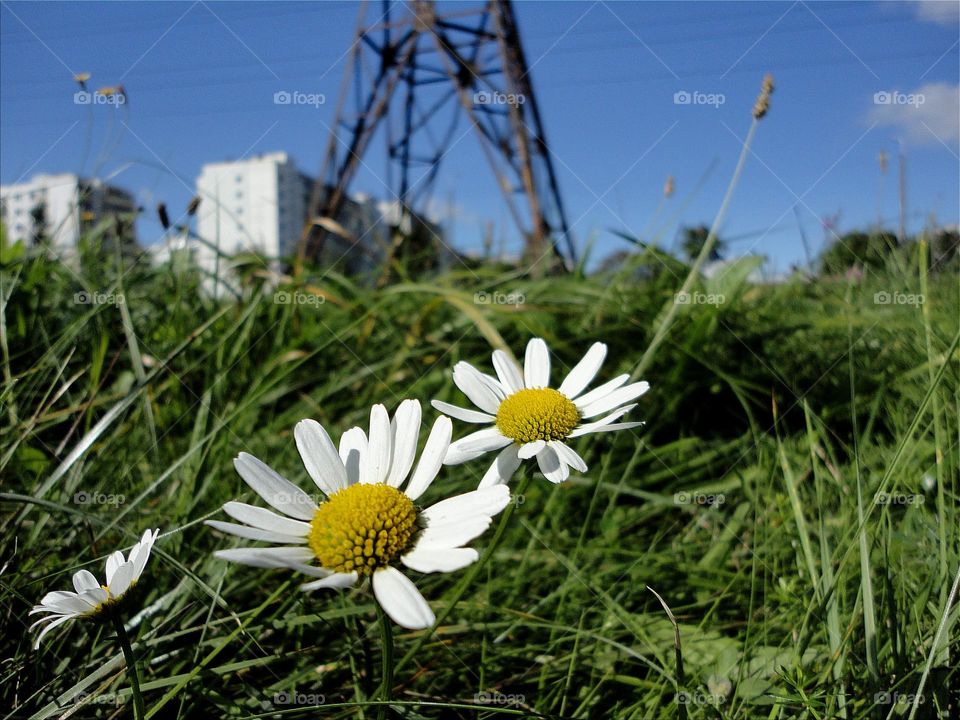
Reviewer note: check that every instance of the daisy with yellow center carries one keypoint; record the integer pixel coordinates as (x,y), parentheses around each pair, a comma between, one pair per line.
(527,418)
(366,525)
(92,599)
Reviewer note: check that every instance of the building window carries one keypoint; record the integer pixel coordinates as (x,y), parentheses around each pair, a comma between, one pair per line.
(239,178)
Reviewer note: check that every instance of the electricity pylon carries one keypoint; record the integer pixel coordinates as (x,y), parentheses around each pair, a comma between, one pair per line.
(414,73)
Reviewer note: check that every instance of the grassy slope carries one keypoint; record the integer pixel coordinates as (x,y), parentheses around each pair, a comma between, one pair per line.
(783,405)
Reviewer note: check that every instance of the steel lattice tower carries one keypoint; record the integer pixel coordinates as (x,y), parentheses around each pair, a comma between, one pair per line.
(414,73)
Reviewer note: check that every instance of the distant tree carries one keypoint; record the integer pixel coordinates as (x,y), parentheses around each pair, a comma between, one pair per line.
(858,249)
(945,251)
(39,233)
(694,238)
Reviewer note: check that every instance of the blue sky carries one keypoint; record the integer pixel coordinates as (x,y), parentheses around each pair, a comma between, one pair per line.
(201,78)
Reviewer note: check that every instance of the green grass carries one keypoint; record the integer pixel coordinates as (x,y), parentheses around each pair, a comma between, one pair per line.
(784,411)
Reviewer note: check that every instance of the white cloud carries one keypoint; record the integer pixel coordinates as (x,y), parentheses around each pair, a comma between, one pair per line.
(942,12)
(923,116)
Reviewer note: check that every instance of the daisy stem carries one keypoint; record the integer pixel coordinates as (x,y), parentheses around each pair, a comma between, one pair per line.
(474,570)
(386,688)
(132,669)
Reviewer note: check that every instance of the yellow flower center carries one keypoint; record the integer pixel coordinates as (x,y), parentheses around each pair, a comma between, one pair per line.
(537,414)
(362,528)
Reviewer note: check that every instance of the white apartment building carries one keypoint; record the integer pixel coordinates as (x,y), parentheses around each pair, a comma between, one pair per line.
(65,204)
(253,205)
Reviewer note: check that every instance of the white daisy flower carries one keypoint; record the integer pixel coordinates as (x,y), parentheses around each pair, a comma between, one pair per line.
(528,418)
(91,598)
(367,525)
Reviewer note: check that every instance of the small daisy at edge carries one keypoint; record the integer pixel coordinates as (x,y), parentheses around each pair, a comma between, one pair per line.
(92,599)
(367,525)
(528,418)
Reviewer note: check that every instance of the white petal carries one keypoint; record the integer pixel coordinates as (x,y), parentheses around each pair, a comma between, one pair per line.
(143,553)
(551,467)
(486,502)
(375,463)
(615,399)
(114,561)
(51,626)
(266,557)
(320,456)
(453,533)
(597,428)
(264,519)
(569,456)
(584,371)
(67,603)
(274,489)
(459,413)
(431,459)
(251,533)
(429,560)
(536,364)
(401,600)
(471,382)
(606,420)
(511,377)
(600,391)
(84,580)
(405,428)
(337,580)
(122,579)
(503,468)
(96,596)
(353,446)
(474,445)
(530,449)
